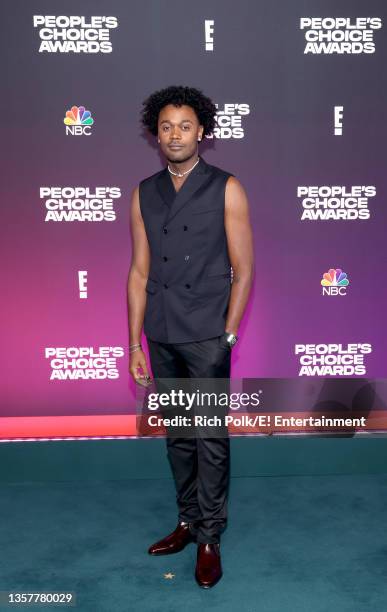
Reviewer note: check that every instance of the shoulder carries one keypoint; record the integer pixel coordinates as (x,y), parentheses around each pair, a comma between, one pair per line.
(146,186)
(236,201)
(219,171)
(151,178)
(234,187)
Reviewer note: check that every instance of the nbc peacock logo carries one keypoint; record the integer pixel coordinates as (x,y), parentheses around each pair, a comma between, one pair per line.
(78,121)
(334,282)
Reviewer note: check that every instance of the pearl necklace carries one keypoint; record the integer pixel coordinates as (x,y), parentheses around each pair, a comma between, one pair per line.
(183,173)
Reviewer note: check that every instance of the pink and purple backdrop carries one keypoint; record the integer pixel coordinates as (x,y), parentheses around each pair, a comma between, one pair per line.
(258,60)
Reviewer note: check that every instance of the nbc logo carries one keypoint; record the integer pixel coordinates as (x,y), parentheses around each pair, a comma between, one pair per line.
(334,282)
(78,121)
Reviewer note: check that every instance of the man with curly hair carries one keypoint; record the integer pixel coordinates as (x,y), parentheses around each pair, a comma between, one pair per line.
(189,282)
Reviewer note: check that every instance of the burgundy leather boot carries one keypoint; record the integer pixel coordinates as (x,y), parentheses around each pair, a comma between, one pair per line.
(208,565)
(174,542)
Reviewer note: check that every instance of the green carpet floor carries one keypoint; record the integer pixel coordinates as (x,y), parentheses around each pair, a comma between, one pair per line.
(296,543)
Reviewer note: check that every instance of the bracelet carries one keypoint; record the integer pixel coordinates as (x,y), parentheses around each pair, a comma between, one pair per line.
(137,348)
(134,347)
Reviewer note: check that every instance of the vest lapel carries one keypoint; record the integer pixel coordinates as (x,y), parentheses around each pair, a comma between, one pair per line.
(177,200)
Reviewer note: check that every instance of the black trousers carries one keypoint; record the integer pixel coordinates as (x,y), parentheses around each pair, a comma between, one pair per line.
(200,465)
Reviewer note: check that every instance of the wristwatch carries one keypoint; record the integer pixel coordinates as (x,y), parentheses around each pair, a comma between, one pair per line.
(231,339)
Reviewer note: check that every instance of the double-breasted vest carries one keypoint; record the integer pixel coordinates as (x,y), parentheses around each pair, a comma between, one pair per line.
(189,283)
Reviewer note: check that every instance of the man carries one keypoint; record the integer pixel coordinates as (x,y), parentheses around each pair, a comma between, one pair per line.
(190,225)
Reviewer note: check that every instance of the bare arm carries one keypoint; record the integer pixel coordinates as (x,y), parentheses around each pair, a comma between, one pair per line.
(240,248)
(138,276)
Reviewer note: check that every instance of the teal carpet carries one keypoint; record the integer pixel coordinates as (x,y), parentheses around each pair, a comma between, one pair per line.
(297,543)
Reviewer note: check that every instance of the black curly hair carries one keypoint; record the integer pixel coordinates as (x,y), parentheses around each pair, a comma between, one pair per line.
(204,108)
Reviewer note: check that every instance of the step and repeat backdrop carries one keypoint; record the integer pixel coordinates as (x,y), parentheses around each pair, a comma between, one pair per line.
(300,89)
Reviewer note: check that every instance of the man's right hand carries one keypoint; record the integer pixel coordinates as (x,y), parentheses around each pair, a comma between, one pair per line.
(138,367)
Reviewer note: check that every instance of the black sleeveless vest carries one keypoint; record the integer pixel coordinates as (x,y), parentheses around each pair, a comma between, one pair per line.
(189,283)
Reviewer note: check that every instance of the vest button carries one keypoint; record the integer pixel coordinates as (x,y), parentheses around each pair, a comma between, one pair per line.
(188,286)
(165,258)
(165,230)
(165,286)
(185,228)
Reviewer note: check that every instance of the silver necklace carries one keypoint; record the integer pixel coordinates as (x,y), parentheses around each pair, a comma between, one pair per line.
(183,173)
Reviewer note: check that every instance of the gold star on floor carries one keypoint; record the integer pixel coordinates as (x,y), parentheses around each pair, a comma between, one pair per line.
(169,576)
